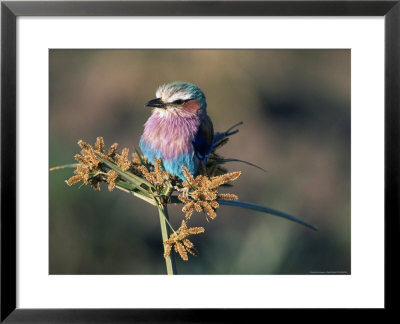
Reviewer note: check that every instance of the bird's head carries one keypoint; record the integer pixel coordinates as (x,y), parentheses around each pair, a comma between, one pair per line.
(179,98)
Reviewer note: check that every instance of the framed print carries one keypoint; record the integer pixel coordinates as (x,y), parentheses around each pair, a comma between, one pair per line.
(311,89)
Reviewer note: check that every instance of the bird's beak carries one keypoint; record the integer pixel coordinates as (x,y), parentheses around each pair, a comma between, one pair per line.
(157,103)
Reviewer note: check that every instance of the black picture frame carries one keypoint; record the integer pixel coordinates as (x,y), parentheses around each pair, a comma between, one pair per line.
(10,10)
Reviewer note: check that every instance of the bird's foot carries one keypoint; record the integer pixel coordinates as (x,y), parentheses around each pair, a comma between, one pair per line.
(184,191)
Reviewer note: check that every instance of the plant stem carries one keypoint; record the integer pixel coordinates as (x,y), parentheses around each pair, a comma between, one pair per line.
(73,165)
(169,261)
(145,198)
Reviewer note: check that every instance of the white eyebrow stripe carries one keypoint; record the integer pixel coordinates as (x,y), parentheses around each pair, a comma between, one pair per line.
(172,94)
(177,96)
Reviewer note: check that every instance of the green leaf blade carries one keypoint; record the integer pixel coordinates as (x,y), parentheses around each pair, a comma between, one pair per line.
(140,158)
(129,177)
(248,205)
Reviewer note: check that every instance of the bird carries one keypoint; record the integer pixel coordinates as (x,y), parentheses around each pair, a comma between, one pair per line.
(179,131)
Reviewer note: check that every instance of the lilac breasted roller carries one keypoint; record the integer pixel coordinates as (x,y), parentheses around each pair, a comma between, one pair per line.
(179,132)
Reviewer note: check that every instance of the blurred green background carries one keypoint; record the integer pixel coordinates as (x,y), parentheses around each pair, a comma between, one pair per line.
(295,105)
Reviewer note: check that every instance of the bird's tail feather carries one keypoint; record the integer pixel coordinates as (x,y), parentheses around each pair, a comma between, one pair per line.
(218,137)
(230,132)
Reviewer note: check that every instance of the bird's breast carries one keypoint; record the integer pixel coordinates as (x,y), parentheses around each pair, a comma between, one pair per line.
(170,136)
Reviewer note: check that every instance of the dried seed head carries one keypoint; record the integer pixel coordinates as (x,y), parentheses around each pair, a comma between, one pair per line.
(180,242)
(167,250)
(189,214)
(123,160)
(188,175)
(157,177)
(181,250)
(227,196)
(214,204)
(208,209)
(112,149)
(111,179)
(197,206)
(83,145)
(202,192)
(187,243)
(99,144)
(136,159)
(91,169)
(74,179)
(224,178)
(195,230)
(183,198)
(80,159)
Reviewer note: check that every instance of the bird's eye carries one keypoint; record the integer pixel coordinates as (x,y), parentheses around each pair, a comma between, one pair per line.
(179,102)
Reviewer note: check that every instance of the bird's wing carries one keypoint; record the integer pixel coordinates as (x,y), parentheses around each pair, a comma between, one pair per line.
(203,140)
